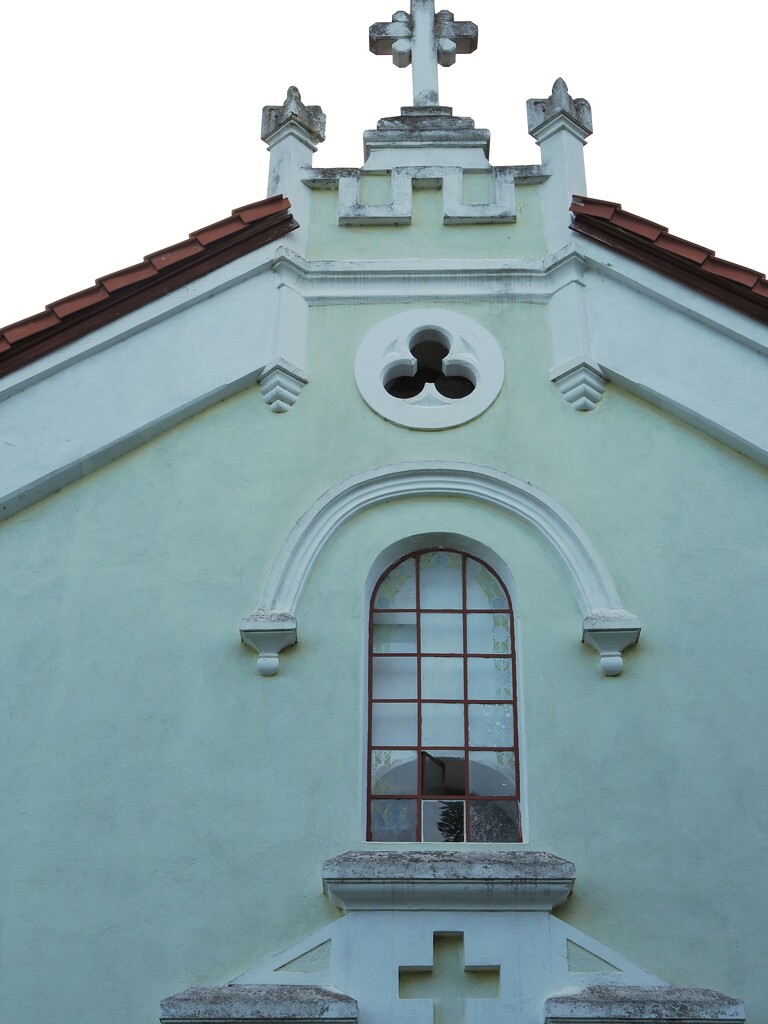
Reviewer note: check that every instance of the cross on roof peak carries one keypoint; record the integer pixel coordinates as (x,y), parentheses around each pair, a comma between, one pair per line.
(423,39)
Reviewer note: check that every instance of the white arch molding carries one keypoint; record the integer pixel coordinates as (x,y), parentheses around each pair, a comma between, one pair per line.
(273,626)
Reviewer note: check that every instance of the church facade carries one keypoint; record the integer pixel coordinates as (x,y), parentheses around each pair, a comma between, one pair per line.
(383,636)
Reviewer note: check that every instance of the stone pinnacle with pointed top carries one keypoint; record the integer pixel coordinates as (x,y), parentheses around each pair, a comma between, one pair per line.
(293,111)
(560,104)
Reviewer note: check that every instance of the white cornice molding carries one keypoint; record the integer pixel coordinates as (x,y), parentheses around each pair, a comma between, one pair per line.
(359,281)
(593,582)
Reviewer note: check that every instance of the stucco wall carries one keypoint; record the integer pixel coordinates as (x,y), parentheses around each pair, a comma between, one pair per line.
(170,809)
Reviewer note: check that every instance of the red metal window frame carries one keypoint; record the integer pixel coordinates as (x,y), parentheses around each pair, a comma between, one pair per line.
(419,749)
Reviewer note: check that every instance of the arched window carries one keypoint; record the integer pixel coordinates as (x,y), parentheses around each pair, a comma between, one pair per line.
(442,722)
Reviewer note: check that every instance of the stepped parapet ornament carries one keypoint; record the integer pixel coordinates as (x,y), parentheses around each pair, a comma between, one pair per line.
(423,39)
(543,113)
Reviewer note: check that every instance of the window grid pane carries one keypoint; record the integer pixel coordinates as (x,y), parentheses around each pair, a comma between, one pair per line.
(441,703)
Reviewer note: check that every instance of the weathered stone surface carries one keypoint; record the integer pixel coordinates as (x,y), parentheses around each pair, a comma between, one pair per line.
(559,102)
(383,880)
(460,865)
(293,111)
(633,1003)
(284,1003)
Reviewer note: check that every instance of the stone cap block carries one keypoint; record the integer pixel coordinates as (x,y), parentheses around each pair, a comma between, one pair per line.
(606,1003)
(285,1003)
(442,880)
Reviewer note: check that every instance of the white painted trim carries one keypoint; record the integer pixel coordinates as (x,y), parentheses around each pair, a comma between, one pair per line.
(593,583)
(337,281)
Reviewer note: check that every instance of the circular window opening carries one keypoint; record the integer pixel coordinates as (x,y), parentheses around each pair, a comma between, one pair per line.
(429,349)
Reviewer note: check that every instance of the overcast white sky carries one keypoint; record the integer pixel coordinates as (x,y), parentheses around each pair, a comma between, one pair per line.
(125,127)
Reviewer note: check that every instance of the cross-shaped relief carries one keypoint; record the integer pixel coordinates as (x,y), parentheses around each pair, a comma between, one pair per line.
(423,39)
(449,983)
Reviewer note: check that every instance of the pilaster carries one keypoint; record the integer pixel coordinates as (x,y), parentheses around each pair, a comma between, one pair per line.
(293,132)
(561,126)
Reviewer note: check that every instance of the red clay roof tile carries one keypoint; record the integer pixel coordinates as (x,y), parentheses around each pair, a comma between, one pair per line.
(682,247)
(631,222)
(248,228)
(174,253)
(222,229)
(652,244)
(80,300)
(732,271)
(124,278)
(23,329)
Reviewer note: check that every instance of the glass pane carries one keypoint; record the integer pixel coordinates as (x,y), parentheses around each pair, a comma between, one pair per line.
(488,634)
(394,677)
(442,821)
(394,725)
(440,573)
(489,678)
(393,821)
(492,773)
(394,633)
(442,677)
(494,822)
(442,725)
(442,633)
(398,588)
(490,725)
(443,773)
(483,589)
(394,771)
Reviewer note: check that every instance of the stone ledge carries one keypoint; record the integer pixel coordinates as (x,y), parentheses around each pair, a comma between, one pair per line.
(302,1004)
(606,1003)
(442,880)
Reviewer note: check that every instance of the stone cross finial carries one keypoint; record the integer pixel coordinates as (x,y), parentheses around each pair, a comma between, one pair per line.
(423,39)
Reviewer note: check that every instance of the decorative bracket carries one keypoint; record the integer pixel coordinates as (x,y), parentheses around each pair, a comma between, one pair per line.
(281,383)
(268,633)
(610,632)
(582,384)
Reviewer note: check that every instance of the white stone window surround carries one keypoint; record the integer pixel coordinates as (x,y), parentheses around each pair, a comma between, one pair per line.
(273,626)
(385,352)
(391,554)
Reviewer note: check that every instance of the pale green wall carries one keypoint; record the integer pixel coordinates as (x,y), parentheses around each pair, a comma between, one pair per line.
(426,237)
(171,809)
